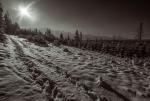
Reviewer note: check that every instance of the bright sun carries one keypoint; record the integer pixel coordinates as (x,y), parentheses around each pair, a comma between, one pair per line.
(24,11)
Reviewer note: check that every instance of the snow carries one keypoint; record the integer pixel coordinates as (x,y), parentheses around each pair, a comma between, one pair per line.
(32,73)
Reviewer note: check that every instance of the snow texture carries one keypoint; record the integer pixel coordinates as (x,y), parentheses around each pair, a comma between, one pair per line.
(32,73)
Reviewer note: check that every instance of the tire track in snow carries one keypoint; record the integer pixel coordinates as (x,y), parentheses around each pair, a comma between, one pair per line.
(75,81)
(12,85)
(42,63)
(36,73)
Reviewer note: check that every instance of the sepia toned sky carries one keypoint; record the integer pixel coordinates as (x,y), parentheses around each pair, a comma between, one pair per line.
(96,17)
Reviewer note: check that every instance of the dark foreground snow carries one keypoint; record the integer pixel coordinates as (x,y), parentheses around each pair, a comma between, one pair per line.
(32,73)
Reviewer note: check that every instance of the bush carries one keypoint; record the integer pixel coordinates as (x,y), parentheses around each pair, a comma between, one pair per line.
(2,38)
(38,40)
(56,43)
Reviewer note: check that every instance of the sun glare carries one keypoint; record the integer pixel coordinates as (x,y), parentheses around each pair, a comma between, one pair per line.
(23,11)
(26,11)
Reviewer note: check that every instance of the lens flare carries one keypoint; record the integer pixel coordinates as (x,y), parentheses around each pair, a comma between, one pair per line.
(23,11)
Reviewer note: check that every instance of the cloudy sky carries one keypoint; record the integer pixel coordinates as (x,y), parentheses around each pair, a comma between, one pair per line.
(96,17)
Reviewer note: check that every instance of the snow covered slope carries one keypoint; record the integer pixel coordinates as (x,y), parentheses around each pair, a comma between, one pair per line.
(33,73)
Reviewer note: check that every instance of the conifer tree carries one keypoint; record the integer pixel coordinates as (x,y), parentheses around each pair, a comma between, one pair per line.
(48,33)
(15,28)
(61,37)
(8,24)
(80,36)
(76,37)
(49,36)
(1,20)
(68,38)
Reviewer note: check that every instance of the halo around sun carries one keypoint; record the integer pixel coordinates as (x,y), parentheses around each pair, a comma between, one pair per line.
(24,11)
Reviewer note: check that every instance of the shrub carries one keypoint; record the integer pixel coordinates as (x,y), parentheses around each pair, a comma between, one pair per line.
(2,38)
(57,43)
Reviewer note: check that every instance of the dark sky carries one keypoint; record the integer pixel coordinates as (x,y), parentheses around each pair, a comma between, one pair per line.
(100,17)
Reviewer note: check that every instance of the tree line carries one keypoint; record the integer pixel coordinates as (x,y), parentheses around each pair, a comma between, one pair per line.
(121,48)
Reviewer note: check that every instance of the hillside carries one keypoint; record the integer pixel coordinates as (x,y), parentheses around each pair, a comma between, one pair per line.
(32,73)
